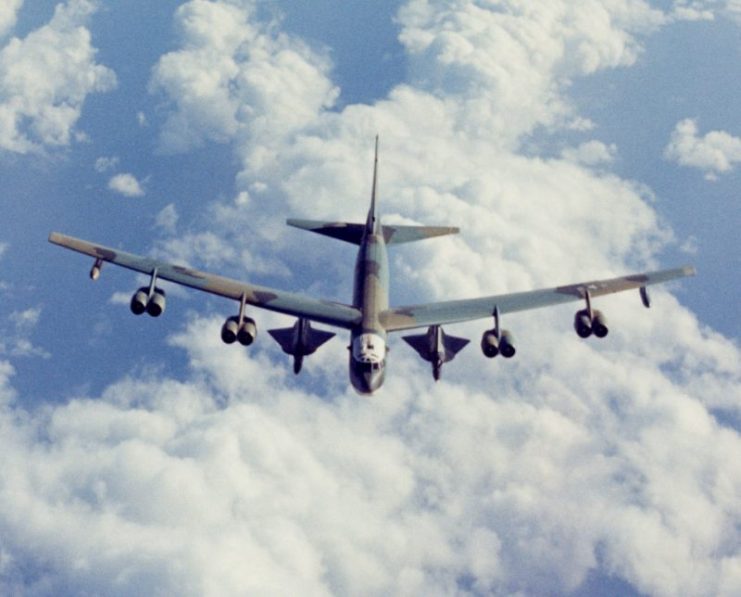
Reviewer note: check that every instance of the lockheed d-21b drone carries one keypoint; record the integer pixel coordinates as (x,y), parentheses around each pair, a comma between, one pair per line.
(369,318)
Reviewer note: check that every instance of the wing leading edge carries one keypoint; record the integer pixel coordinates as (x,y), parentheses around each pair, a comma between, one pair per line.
(415,316)
(327,312)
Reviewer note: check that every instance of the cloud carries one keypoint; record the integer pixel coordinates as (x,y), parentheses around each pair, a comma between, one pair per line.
(590,153)
(16,332)
(126,184)
(733,10)
(45,79)
(8,14)
(245,80)
(716,153)
(525,477)
(427,489)
(104,164)
(167,218)
(694,10)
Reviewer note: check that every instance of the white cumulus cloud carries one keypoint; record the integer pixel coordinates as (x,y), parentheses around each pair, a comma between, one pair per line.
(8,15)
(591,153)
(234,76)
(575,460)
(126,184)
(45,78)
(715,153)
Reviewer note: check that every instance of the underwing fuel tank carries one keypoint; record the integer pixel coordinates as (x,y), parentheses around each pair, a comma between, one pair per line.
(300,340)
(436,347)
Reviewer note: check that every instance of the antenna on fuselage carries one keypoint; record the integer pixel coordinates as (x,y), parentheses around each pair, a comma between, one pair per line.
(371,222)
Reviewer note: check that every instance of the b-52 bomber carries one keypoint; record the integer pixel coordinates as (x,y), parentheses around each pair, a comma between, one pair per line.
(369,318)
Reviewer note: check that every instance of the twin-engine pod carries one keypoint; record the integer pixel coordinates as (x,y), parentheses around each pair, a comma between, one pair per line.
(585,326)
(497,341)
(150,299)
(493,344)
(239,327)
(153,302)
(233,331)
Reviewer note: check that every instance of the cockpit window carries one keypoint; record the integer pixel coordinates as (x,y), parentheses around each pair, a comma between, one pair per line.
(367,367)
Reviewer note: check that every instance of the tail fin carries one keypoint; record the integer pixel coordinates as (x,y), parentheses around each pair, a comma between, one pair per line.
(353,233)
(370,224)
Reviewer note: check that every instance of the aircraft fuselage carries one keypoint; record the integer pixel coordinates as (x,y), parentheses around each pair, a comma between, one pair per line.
(370,295)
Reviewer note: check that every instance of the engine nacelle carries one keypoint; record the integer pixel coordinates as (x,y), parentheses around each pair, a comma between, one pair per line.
(599,325)
(157,303)
(139,301)
(507,344)
(247,332)
(229,330)
(583,324)
(490,344)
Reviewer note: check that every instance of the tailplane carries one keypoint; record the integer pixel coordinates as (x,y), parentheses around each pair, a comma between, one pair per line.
(354,233)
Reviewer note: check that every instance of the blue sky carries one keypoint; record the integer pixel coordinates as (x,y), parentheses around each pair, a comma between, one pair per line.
(569,141)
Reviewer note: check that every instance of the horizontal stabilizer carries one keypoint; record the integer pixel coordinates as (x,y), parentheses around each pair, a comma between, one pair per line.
(350,233)
(394,235)
(353,233)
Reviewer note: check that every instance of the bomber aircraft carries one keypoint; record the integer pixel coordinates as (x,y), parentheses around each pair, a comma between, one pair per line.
(369,318)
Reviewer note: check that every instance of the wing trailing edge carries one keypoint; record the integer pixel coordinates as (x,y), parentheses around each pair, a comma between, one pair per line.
(416,316)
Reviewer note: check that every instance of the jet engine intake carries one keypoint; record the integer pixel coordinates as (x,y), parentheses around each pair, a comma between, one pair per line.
(247,332)
(493,345)
(490,344)
(139,301)
(583,324)
(157,302)
(154,305)
(229,330)
(507,344)
(599,325)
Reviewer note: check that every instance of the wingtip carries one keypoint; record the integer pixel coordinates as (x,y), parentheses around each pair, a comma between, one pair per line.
(689,270)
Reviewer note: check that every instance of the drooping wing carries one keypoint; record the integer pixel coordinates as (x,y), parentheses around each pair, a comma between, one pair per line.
(404,318)
(327,312)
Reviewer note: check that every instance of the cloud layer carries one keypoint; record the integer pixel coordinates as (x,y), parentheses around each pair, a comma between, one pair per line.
(575,460)
(45,78)
(715,153)
(8,14)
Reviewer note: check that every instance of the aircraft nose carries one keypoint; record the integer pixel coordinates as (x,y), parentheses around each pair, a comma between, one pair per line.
(372,380)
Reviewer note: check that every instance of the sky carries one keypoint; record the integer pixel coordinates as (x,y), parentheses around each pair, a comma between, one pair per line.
(569,140)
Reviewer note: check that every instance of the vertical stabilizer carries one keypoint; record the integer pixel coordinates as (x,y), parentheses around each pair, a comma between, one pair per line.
(370,224)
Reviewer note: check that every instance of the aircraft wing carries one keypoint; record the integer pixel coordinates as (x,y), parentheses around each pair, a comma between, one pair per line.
(331,313)
(404,318)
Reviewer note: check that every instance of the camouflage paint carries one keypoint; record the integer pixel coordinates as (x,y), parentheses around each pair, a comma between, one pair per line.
(369,318)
